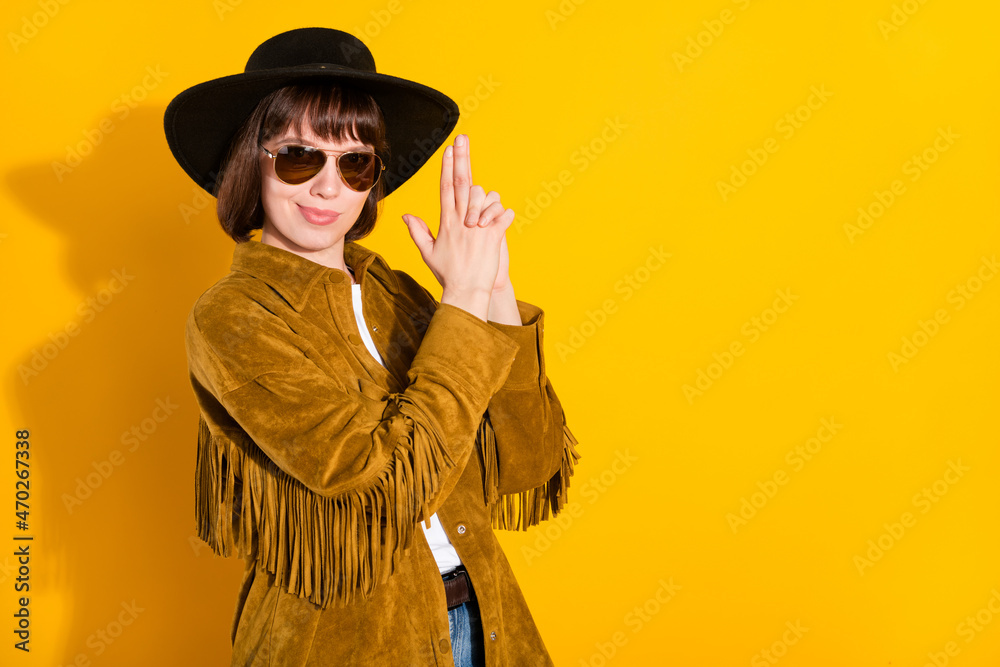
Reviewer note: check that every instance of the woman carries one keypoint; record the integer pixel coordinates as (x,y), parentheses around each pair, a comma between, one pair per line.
(341,405)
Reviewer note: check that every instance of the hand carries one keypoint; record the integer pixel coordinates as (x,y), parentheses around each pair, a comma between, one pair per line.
(502,283)
(482,210)
(465,258)
(503,303)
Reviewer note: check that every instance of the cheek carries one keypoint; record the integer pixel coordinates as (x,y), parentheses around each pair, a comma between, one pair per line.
(269,202)
(358,202)
(274,194)
(268,191)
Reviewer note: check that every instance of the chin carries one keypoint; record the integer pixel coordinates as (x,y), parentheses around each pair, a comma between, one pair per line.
(311,237)
(316,240)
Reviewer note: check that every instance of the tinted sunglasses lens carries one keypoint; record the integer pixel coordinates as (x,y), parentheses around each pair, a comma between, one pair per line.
(297,164)
(360,170)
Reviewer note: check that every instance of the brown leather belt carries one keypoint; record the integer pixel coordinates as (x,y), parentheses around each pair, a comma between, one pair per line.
(457,587)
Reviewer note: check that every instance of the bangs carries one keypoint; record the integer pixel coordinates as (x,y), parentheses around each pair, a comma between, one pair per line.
(332,112)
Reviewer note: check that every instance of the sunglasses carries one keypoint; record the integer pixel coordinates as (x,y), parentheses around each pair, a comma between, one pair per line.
(295,164)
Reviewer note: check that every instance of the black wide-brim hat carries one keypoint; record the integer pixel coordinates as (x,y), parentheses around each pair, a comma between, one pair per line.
(201,121)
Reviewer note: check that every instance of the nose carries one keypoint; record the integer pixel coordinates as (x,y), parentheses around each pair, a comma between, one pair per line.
(327,182)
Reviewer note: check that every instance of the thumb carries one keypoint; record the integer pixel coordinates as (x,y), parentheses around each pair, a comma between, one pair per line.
(420,233)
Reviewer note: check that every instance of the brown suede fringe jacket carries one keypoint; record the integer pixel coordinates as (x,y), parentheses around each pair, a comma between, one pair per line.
(316,464)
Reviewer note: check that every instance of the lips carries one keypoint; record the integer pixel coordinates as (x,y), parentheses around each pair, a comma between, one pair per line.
(318,216)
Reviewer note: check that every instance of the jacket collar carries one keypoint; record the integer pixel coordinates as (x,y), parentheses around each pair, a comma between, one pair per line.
(292,276)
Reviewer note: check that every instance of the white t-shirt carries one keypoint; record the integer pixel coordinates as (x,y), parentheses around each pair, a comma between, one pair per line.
(444,553)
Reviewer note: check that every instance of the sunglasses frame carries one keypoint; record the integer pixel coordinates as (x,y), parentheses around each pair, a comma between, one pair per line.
(336,162)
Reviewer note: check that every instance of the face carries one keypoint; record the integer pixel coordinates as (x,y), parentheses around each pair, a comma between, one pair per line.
(311,218)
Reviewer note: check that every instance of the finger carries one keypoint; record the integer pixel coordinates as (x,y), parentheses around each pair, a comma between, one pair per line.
(462,174)
(506,219)
(477,196)
(491,197)
(490,213)
(447,186)
(420,234)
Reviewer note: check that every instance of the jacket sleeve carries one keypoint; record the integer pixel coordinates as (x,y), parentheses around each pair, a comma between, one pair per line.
(332,480)
(534,447)
(527,451)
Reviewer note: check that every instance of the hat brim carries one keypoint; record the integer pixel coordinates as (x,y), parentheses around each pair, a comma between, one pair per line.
(201,121)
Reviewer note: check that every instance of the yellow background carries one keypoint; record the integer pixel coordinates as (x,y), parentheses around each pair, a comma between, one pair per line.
(538,83)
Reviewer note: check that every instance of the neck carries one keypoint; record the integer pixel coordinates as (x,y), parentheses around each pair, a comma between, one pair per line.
(330,257)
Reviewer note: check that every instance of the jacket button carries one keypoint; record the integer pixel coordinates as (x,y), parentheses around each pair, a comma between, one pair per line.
(354,338)
(461,529)
(493,636)
(445,645)
(337,276)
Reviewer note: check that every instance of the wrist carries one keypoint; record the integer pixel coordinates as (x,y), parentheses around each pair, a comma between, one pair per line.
(503,307)
(475,301)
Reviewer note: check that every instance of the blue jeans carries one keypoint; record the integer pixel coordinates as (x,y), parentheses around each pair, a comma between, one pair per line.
(466,631)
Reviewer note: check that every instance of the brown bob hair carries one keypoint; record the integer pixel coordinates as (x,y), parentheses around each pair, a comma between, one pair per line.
(334,112)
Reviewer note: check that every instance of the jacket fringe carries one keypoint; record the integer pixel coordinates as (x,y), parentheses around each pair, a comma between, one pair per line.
(327,549)
(333,549)
(519,511)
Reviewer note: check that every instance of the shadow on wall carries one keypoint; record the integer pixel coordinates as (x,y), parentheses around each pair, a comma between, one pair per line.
(112,417)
